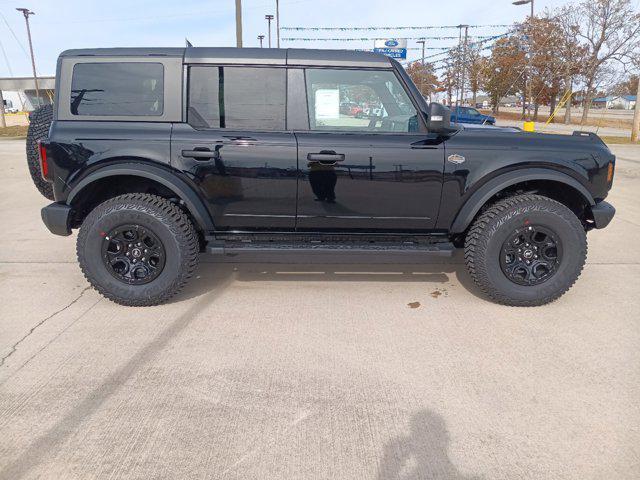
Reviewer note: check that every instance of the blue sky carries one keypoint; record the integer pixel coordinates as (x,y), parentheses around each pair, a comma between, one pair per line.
(62,24)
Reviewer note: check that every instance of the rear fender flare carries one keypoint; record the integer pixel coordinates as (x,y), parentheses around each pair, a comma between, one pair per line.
(481,196)
(191,199)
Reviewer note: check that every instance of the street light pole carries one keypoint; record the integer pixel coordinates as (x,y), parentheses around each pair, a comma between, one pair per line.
(422,42)
(464,63)
(239,23)
(530,60)
(269,18)
(635,130)
(460,75)
(261,38)
(422,64)
(278,23)
(26,12)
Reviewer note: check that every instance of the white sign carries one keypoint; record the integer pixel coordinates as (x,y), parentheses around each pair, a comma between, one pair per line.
(391,43)
(391,47)
(327,104)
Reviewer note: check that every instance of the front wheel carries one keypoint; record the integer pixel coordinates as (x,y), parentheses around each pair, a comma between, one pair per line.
(137,249)
(526,250)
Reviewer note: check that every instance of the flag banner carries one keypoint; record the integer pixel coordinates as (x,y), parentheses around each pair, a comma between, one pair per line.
(427,27)
(358,39)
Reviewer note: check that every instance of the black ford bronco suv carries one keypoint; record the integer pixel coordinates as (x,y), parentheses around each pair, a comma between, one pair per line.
(159,154)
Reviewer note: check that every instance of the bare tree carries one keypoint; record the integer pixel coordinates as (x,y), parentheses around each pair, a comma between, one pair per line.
(424,78)
(611,31)
(572,54)
(504,70)
(476,66)
(449,79)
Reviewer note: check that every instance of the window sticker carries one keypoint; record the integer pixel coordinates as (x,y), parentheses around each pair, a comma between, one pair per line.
(327,104)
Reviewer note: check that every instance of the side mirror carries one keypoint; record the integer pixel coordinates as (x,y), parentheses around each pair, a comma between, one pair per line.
(439,118)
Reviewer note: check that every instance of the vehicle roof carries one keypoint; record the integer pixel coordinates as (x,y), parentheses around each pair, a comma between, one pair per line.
(244,56)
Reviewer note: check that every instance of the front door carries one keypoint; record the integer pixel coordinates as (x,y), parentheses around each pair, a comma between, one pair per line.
(366,163)
(236,149)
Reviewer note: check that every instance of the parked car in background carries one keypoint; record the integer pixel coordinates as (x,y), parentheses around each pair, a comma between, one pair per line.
(470,115)
(350,108)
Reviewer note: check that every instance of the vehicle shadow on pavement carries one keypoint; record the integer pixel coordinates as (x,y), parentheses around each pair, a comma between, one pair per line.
(214,270)
(423,453)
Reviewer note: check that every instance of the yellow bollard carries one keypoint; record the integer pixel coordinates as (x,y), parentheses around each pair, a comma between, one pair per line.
(529,127)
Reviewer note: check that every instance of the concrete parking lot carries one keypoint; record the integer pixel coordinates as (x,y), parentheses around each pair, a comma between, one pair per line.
(287,367)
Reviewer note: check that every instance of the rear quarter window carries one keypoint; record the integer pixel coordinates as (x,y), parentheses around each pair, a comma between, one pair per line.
(117,89)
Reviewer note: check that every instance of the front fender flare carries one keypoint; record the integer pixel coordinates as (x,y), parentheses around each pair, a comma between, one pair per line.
(166,178)
(475,202)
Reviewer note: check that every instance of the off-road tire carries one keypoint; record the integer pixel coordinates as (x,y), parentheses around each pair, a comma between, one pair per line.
(39,122)
(169,223)
(486,236)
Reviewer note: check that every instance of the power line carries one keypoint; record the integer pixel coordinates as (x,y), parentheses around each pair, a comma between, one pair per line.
(472,44)
(357,39)
(6,59)
(425,27)
(409,48)
(14,34)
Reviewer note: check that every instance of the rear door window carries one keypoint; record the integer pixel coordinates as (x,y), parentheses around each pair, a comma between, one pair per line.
(117,89)
(240,98)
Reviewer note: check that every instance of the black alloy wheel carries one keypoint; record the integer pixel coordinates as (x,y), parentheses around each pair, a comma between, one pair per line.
(525,250)
(133,254)
(137,249)
(531,255)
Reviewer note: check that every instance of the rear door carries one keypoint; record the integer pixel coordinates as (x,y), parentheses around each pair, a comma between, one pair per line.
(236,148)
(371,166)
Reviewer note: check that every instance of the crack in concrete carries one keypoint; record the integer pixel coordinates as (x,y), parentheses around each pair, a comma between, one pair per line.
(14,347)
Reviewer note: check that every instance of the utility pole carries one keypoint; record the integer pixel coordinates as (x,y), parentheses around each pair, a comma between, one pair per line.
(3,122)
(464,62)
(261,38)
(635,130)
(530,60)
(26,12)
(422,42)
(269,18)
(422,73)
(239,23)
(278,23)
(460,66)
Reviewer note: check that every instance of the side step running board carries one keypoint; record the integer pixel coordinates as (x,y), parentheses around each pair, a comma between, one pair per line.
(443,249)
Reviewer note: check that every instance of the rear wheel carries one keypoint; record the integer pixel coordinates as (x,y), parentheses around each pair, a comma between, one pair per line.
(137,249)
(39,122)
(526,250)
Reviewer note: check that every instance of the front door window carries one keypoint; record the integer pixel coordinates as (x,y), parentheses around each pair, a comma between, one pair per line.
(358,101)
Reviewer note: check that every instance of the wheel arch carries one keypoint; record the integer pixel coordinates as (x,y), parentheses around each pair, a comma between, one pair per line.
(150,173)
(503,183)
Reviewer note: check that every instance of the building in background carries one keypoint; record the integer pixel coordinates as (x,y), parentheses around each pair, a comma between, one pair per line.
(616,102)
(21,91)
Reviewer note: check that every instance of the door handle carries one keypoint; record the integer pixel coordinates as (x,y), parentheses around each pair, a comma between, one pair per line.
(200,153)
(326,156)
(240,139)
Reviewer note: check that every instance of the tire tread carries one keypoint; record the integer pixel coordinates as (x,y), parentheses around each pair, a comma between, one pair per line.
(479,234)
(39,122)
(166,212)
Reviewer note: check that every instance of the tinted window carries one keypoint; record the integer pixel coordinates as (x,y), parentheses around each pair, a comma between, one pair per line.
(117,89)
(358,100)
(243,98)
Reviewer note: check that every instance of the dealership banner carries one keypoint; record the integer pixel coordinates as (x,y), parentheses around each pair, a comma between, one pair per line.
(391,47)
